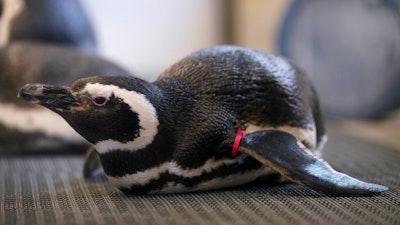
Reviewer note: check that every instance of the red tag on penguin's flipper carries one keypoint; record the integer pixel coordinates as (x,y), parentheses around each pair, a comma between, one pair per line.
(238,137)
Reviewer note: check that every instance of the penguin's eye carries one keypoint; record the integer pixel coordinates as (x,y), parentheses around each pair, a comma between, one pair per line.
(99,101)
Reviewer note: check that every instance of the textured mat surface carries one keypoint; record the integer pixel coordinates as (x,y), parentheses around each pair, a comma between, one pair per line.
(50,190)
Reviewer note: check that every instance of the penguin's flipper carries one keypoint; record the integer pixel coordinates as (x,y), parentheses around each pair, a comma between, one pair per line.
(288,156)
(92,169)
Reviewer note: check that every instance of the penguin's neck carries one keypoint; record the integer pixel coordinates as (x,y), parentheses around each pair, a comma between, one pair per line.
(177,99)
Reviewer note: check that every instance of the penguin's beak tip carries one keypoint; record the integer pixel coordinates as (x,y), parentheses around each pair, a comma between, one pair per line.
(30,92)
(57,98)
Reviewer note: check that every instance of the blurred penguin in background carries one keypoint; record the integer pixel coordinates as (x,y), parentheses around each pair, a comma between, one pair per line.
(48,21)
(43,41)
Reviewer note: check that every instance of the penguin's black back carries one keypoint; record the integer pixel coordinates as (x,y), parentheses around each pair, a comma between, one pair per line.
(260,88)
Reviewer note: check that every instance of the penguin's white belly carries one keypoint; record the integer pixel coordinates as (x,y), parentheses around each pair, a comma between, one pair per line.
(143,178)
(219,182)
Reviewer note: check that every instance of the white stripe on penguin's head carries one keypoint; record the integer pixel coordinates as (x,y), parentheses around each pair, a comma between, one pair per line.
(138,103)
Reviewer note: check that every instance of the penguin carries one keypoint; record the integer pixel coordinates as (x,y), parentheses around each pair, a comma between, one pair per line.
(26,128)
(221,117)
(46,21)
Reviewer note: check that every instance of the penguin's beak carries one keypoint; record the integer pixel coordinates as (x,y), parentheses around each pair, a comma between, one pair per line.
(56,98)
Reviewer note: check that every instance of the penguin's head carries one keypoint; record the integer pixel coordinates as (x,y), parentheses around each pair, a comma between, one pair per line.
(113,113)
